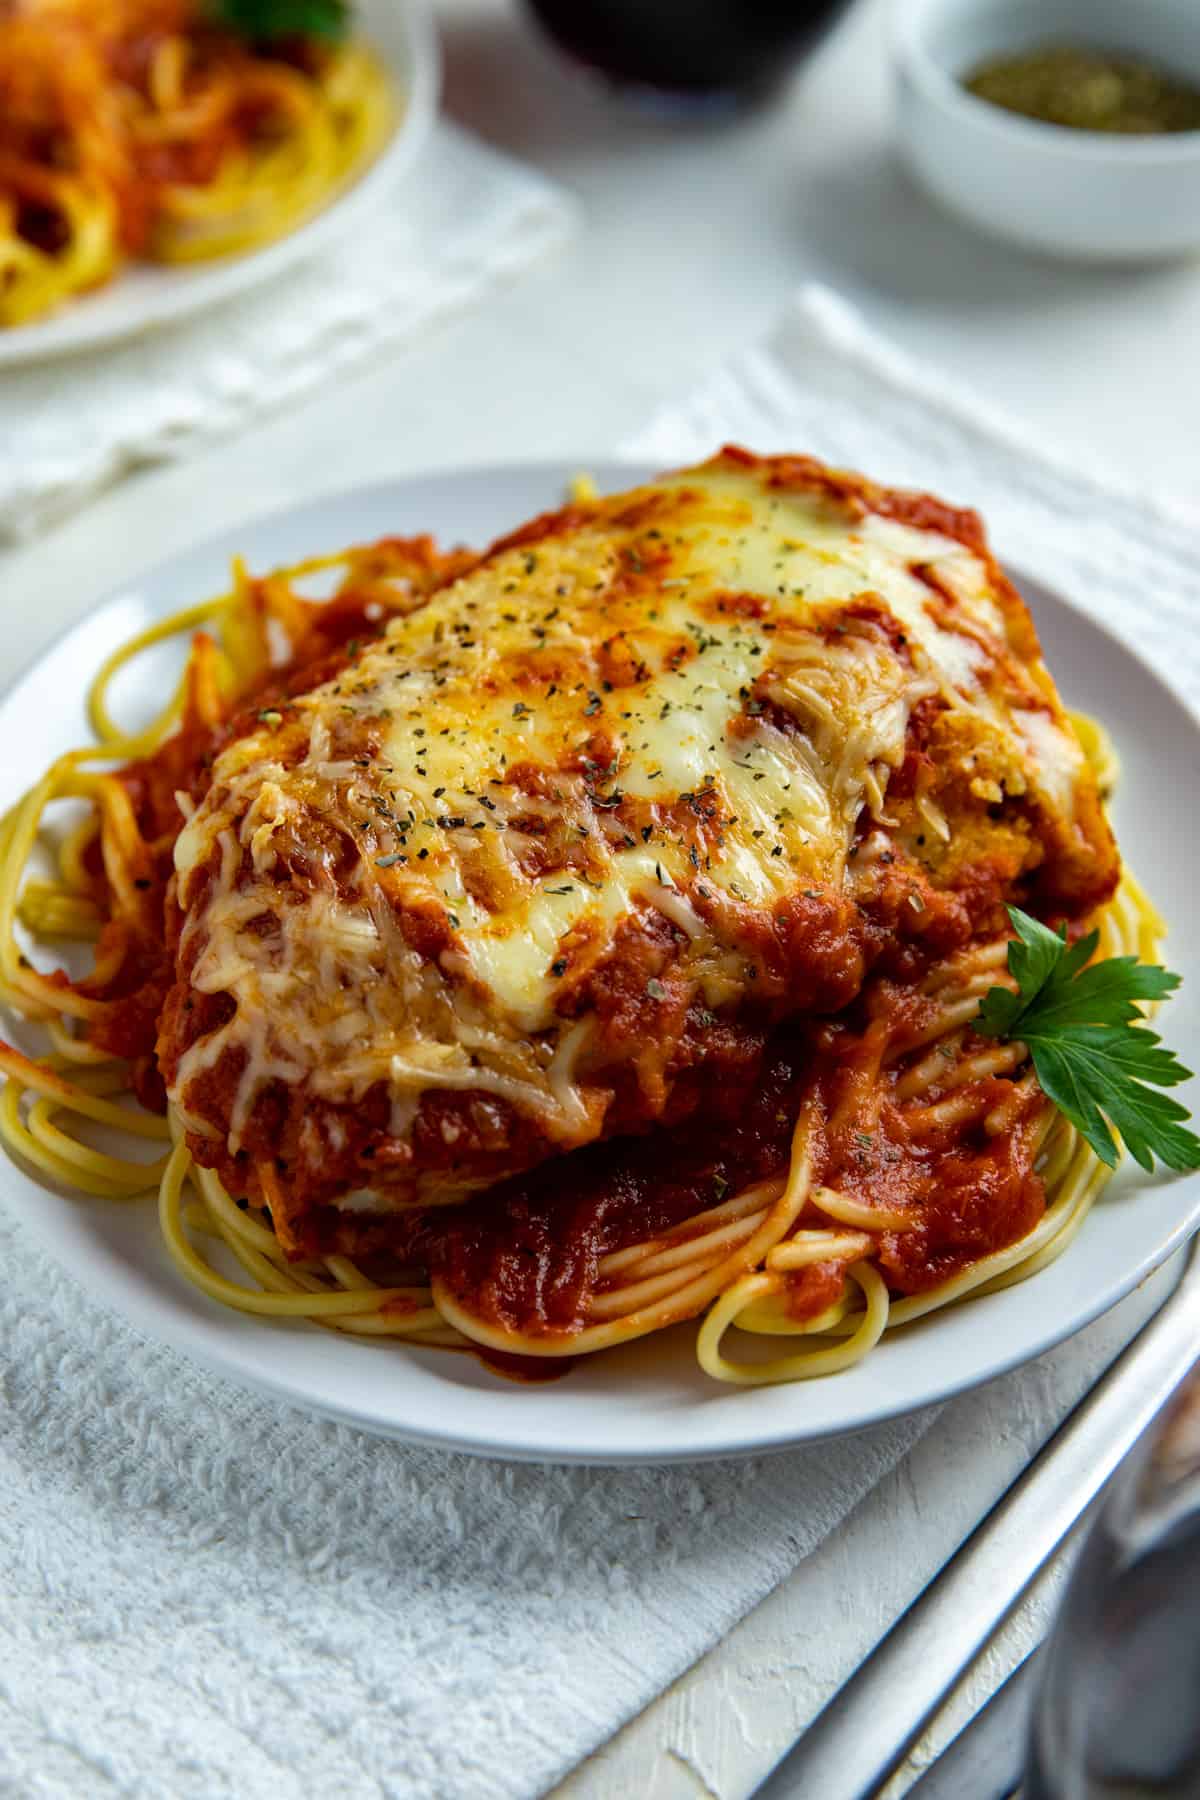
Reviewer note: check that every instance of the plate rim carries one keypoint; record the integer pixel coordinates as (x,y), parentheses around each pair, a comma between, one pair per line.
(68,333)
(153,1317)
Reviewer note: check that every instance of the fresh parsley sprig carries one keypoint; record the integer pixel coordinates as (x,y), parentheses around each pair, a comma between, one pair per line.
(267,21)
(1093,1055)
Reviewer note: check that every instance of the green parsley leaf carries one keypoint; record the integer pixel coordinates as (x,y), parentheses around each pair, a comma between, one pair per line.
(266,21)
(1093,1056)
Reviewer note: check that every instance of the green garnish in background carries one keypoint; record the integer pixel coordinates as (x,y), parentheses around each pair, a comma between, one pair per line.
(266,21)
(1093,1055)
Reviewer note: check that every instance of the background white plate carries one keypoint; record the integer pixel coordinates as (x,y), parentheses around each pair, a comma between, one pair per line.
(648,1401)
(145,295)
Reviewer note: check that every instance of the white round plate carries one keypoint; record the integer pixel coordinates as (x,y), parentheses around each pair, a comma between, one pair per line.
(145,295)
(648,1401)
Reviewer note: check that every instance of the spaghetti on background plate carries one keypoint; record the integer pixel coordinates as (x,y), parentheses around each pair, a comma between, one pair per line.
(172,131)
(529,951)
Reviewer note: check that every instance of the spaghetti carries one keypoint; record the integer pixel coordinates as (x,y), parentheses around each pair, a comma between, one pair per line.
(138,128)
(874,1166)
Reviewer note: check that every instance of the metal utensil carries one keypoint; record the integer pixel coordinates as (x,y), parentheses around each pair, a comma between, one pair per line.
(987,1758)
(867,1728)
(1116,1710)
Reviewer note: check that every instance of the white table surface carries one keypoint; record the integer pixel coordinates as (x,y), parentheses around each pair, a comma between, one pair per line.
(691,239)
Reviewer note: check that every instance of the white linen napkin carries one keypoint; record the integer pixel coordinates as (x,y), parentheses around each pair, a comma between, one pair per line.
(465,218)
(208,1594)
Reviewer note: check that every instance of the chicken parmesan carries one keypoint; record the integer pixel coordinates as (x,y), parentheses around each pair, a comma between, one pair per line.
(535,947)
(547,861)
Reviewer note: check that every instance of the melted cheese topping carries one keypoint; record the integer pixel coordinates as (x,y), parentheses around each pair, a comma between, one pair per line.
(680,704)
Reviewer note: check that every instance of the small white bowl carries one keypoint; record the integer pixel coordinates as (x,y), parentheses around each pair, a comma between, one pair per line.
(1083,195)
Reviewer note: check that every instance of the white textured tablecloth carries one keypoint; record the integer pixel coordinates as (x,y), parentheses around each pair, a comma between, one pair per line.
(462,219)
(206,1594)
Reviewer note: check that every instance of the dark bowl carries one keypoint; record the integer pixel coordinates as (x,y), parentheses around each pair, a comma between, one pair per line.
(697,52)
